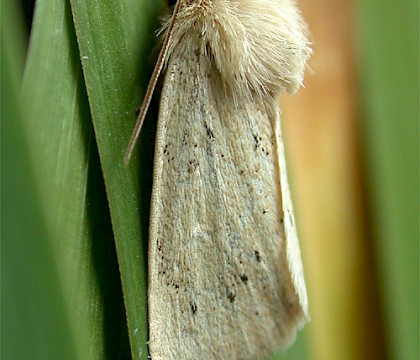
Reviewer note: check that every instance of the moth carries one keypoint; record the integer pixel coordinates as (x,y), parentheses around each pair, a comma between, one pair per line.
(225,272)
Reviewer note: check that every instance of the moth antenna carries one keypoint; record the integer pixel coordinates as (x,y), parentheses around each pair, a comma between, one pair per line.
(151,87)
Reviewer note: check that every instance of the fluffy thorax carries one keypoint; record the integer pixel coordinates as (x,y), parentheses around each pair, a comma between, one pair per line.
(259,47)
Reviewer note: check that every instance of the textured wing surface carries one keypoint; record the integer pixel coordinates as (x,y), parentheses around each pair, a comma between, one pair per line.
(219,282)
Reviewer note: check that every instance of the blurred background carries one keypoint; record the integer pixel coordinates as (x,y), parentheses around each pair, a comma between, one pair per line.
(352,139)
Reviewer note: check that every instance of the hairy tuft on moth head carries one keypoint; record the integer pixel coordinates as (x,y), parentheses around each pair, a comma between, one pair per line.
(259,47)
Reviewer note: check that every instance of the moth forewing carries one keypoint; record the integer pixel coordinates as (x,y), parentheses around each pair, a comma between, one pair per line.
(219,285)
(225,275)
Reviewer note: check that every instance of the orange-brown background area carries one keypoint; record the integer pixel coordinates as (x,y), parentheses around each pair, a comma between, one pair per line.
(329,156)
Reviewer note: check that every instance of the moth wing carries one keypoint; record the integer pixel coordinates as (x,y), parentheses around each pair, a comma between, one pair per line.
(219,281)
(292,243)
